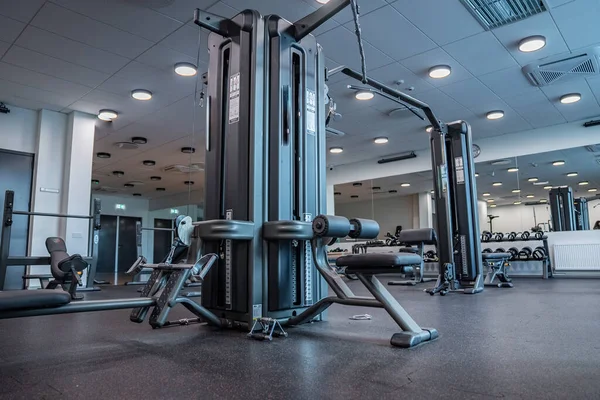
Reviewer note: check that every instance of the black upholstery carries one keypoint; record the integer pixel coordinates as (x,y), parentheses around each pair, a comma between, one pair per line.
(375,260)
(418,236)
(60,261)
(408,250)
(33,299)
(179,254)
(495,256)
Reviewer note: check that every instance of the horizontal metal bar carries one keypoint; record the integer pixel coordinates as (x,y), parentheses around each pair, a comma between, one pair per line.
(41,214)
(82,306)
(158,229)
(25,260)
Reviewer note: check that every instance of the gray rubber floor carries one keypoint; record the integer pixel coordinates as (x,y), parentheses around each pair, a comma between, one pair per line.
(540,340)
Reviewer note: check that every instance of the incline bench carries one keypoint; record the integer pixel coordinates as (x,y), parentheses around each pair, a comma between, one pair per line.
(365,267)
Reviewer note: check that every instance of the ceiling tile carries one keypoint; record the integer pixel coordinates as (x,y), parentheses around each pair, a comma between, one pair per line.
(32,104)
(292,10)
(572,18)
(392,73)
(540,24)
(420,65)
(165,58)
(587,107)
(10,29)
(470,93)
(440,19)
(340,45)
(140,21)
(22,10)
(185,40)
(70,24)
(3,48)
(70,50)
(41,81)
(374,30)
(346,14)
(557,3)
(181,10)
(26,92)
(481,54)
(223,10)
(53,66)
(535,108)
(442,105)
(508,82)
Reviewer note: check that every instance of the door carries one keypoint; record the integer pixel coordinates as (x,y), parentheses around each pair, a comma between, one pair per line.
(107,250)
(16,174)
(162,239)
(127,248)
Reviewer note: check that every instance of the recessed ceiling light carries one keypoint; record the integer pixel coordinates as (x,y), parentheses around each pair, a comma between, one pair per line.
(570,98)
(160,189)
(155,178)
(95,182)
(476,175)
(516,191)
(514,169)
(357,184)
(103,155)
(141,94)
(532,43)
(433,192)
(392,191)
(149,163)
(517,203)
(336,150)
(440,71)
(558,163)
(139,140)
(530,196)
(405,185)
(496,114)
(189,183)
(376,188)
(354,196)
(490,200)
(543,201)
(118,173)
(497,184)
(188,150)
(364,95)
(337,194)
(572,174)
(137,194)
(583,183)
(381,140)
(547,187)
(486,195)
(592,190)
(129,185)
(492,205)
(429,128)
(107,115)
(185,69)
(533,179)
(323,1)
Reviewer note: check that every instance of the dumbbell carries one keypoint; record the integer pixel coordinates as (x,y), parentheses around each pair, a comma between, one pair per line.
(525,235)
(500,250)
(525,253)
(514,252)
(498,236)
(486,236)
(512,236)
(487,250)
(539,253)
(539,235)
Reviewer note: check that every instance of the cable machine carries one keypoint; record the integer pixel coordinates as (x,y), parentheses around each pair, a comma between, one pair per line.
(582,214)
(562,209)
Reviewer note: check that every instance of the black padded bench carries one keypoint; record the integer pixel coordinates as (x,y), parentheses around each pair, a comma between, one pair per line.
(33,299)
(498,264)
(371,263)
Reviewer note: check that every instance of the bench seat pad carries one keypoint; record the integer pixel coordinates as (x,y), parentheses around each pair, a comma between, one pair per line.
(32,299)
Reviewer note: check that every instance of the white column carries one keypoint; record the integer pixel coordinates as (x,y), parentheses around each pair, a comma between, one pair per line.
(482,209)
(425,211)
(330,201)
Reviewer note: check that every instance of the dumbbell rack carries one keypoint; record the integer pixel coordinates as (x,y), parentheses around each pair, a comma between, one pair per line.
(546,263)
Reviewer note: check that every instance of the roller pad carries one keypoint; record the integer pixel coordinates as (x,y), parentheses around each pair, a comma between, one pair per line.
(331,226)
(363,228)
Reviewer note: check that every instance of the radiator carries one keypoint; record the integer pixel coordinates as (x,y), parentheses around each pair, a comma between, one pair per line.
(577,257)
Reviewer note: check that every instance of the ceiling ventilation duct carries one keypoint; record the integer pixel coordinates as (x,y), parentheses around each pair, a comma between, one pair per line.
(494,13)
(184,169)
(575,66)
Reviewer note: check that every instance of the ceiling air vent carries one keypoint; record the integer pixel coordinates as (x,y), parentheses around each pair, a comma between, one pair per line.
(593,148)
(494,13)
(551,70)
(184,169)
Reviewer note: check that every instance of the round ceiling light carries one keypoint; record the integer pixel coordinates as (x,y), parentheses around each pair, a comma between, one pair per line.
(103,155)
(440,71)
(405,185)
(496,114)
(547,187)
(592,190)
(129,185)
(336,150)
(530,196)
(476,175)
(188,150)
(357,184)
(486,195)
(364,95)
(497,184)
(429,128)
(160,189)
(118,173)
(517,203)
(572,174)
(584,183)
(543,201)
(516,191)
(381,140)
(139,140)
(323,1)
(137,194)
(141,94)
(107,115)
(514,169)
(155,178)
(570,98)
(185,69)
(376,188)
(533,179)
(337,194)
(492,206)
(149,163)
(490,200)
(532,43)
(558,163)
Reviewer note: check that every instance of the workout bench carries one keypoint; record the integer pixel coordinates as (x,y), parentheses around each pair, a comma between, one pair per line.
(498,264)
(415,239)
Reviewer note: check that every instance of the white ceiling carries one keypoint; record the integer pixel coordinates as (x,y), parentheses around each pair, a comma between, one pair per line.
(579,159)
(87,55)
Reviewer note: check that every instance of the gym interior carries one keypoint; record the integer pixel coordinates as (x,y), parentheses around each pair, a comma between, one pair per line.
(330,199)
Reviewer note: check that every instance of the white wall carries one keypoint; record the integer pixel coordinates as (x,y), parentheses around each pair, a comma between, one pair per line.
(388,212)
(594,212)
(18,130)
(178,200)
(517,218)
